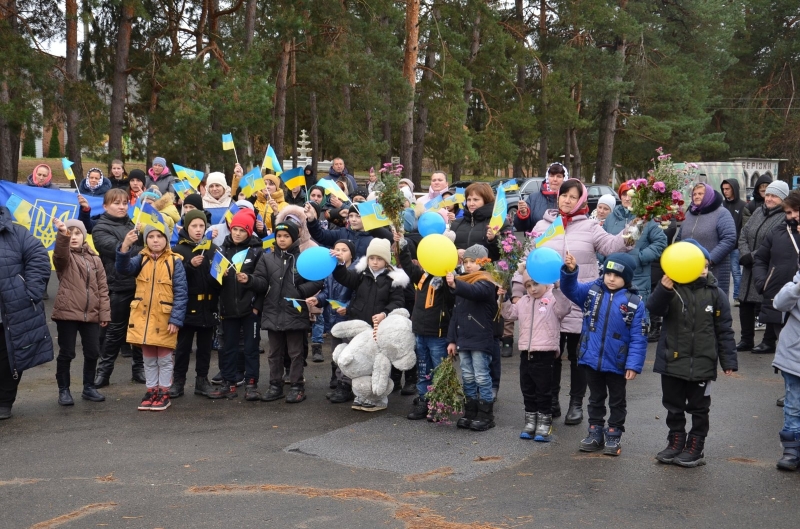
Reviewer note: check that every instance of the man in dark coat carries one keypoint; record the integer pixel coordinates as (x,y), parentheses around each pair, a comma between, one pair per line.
(738,210)
(25,341)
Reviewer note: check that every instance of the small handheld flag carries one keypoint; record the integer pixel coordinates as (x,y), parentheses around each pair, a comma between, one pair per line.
(67,165)
(193,176)
(294,177)
(271,161)
(500,210)
(182,188)
(203,245)
(268,242)
(295,303)
(218,266)
(332,189)
(460,195)
(234,209)
(434,203)
(227,142)
(511,185)
(252,182)
(20,209)
(337,304)
(372,215)
(238,260)
(556,228)
(149,216)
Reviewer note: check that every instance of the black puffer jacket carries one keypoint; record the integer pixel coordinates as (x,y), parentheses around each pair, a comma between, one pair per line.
(774,265)
(473,322)
(107,234)
(433,320)
(276,276)
(371,295)
(697,330)
(758,200)
(471,229)
(237,300)
(203,304)
(755,231)
(736,207)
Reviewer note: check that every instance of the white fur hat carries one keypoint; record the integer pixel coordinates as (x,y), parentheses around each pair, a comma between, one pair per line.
(380,248)
(217,178)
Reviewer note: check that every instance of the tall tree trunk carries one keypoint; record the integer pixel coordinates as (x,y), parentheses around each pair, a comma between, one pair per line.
(608,120)
(576,165)
(421,126)
(312,110)
(73,139)
(386,125)
(119,88)
(9,131)
(543,141)
(568,150)
(474,47)
(293,64)
(280,100)
(410,73)
(519,15)
(249,33)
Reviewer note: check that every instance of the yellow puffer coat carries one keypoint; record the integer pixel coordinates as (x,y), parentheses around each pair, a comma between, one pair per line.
(263,208)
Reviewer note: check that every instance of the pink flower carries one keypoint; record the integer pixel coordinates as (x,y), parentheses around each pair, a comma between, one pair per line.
(387,164)
(382,170)
(676,195)
(660,187)
(631,183)
(641,182)
(502,265)
(660,150)
(693,165)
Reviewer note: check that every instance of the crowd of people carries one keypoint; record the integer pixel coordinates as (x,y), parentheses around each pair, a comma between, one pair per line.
(148,292)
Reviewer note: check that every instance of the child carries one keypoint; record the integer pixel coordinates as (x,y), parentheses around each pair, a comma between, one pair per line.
(471,335)
(239,307)
(202,306)
(787,361)
(157,310)
(613,344)
(361,239)
(119,176)
(332,290)
(695,335)
(377,291)
(539,312)
(81,306)
(286,320)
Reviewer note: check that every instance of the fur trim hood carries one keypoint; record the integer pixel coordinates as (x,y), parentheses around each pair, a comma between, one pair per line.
(299,214)
(399,278)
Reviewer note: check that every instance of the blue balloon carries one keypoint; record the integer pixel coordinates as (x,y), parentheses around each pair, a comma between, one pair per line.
(544,265)
(316,263)
(431,223)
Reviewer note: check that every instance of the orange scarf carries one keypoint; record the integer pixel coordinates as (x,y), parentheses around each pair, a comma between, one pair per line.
(475,277)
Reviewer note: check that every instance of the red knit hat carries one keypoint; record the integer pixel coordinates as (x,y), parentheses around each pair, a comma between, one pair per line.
(245,219)
(623,188)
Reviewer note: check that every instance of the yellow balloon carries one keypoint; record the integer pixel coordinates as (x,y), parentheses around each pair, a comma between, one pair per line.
(437,254)
(683,262)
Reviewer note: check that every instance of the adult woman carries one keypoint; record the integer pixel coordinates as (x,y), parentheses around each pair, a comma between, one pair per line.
(95,184)
(437,187)
(605,205)
(775,264)
(713,228)
(119,176)
(41,176)
(761,222)
(584,239)
(218,192)
(473,227)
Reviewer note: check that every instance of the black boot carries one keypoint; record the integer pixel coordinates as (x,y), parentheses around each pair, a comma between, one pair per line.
(176,389)
(485,417)
(138,377)
(419,409)
(316,353)
(137,366)
(470,412)
(396,377)
(410,387)
(791,451)
(334,381)
(780,402)
(342,393)
(692,455)
(744,346)
(575,412)
(507,350)
(90,393)
(202,386)
(556,408)
(675,443)
(100,381)
(65,397)
(227,391)
(655,330)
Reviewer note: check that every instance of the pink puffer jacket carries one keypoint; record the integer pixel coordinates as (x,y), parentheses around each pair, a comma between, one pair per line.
(539,320)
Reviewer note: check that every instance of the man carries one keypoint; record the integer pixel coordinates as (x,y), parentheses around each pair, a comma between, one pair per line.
(338,171)
(25,341)
(531,210)
(738,210)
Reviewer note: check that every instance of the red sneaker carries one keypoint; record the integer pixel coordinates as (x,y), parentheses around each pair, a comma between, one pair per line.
(147,401)
(161,401)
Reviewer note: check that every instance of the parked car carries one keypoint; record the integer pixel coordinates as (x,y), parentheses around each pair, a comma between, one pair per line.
(595,191)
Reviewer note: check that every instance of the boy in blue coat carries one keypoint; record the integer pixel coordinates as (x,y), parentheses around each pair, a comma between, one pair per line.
(613,344)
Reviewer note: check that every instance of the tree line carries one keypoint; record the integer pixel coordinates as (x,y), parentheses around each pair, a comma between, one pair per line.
(473,86)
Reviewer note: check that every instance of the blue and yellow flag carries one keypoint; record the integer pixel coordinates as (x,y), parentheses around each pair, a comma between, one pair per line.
(252,182)
(500,211)
(20,209)
(295,303)
(434,203)
(182,188)
(149,216)
(268,242)
(460,195)
(337,304)
(204,244)
(372,215)
(271,161)
(238,260)
(294,177)
(511,185)
(227,142)
(331,188)
(556,228)
(233,210)
(67,165)
(193,176)
(219,264)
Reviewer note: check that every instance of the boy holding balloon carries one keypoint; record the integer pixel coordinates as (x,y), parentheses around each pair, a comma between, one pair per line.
(613,344)
(696,335)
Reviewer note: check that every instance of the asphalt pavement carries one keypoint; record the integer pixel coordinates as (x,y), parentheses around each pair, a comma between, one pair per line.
(205,463)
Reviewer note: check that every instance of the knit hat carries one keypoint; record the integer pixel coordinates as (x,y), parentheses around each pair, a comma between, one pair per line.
(274,179)
(289,227)
(158,160)
(621,264)
(702,249)
(353,209)
(74,223)
(317,208)
(380,248)
(360,192)
(245,204)
(475,252)
(350,246)
(623,188)
(608,200)
(778,188)
(192,215)
(217,178)
(245,219)
(408,182)
(194,200)
(152,193)
(149,228)
(137,174)
(408,194)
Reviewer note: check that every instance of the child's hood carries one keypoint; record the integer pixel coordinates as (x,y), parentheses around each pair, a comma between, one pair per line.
(398,276)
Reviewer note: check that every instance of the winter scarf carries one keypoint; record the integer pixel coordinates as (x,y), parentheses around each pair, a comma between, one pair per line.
(708,199)
(581,208)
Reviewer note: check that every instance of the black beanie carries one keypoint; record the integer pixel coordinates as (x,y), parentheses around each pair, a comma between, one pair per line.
(350,246)
(137,174)
(194,200)
(289,227)
(621,264)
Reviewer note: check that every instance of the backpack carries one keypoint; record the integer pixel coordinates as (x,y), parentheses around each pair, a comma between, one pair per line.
(594,299)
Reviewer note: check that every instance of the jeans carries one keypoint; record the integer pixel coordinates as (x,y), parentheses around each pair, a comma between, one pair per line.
(604,385)
(475,374)
(431,350)
(791,406)
(680,397)
(318,329)
(229,359)
(90,342)
(736,271)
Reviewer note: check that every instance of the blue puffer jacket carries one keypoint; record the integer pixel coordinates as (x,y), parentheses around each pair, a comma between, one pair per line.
(608,344)
(360,239)
(334,290)
(24,270)
(472,321)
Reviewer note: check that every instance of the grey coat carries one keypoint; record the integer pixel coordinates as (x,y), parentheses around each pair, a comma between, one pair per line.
(787,354)
(761,222)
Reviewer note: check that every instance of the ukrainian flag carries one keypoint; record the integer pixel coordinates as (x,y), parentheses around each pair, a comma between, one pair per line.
(193,176)
(149,216)
(252,182)
(205,244)
(20,209)
(218,267)
(511,185)
(67,165)
(268,242)
(182,188)
(238,260)
(295,304)
(372,215)
(331,188)
(271,161)
(460,195)
(294,178)
(234,209)
(434,203)
(227,142)
(337,304)
(556,228)
(500,210)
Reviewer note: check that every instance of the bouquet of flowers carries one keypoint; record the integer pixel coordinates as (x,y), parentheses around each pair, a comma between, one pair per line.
(512,253)
(445,394)
(389,195)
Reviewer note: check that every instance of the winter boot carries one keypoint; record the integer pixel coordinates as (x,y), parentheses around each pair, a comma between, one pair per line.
(100,381)
(574,412)
(342,393)
(90,393)
(251,390)
(594,441)
(470,411)
(508,347)
(5,412)
(202,386)
(419,409)
(316,353)
(780,402)
(274,392)
(485,417)
(65,397)
(791,451)
(613,445)
(334,381)
(410,387)
(655,330)
(544,428)
(176,389)
(297,394)
(675,443)
(692,455)
(396,377)
(529,430)
(217,379)
(556,408)
(227,391)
